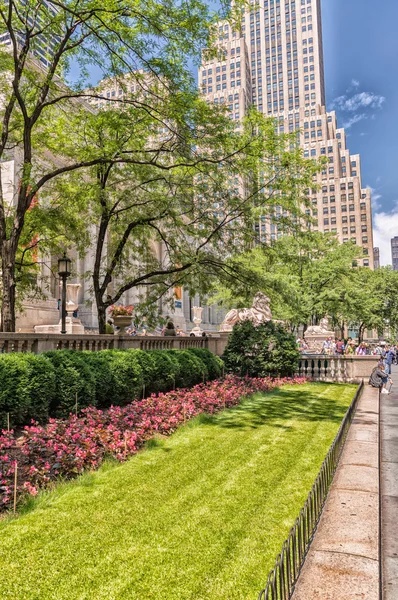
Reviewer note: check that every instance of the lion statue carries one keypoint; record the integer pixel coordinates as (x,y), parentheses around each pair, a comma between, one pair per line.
(259,313)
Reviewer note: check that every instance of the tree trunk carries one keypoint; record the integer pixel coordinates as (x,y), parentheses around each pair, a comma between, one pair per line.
(361,332)
(8,281)
(101,311)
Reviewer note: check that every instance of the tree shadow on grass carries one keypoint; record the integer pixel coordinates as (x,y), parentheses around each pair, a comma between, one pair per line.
(282,405)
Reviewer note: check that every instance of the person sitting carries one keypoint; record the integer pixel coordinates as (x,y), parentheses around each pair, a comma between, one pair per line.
(170,329)
(109,329)
(379,378)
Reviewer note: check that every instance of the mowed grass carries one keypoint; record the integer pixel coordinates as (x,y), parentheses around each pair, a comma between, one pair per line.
(198,516)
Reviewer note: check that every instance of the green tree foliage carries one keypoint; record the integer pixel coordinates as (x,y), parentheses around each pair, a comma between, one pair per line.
(265,350)
(305,276)
(111,169)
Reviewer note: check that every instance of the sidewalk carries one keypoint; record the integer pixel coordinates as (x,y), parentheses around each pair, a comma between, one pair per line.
(343,560)
(389,490)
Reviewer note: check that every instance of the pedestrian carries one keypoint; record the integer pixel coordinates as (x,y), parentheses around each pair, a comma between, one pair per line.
(389,359)
(340,346)
(379,378)
(109,327)
(170,330)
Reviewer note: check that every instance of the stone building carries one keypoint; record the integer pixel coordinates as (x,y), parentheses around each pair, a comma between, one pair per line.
(275,62)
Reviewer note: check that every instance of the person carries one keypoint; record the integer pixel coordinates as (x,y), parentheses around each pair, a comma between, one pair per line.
(339,347)
(378,351)
(170,329)
(389,359)
(379,378)
(109,327)
(361,350)
(178,331)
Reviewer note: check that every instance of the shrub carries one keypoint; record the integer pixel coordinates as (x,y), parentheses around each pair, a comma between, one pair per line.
(192,369)
(73,379)
(127,378)
(27,387)
(166,371)
(214,365)
(99,364)
(147,363)
(266,350)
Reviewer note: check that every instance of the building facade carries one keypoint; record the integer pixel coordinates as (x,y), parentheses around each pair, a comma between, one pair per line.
(394,252)
(376,256)
(275,62)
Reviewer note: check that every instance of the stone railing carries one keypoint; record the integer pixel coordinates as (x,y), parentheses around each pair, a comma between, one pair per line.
(33,342)
(347,369)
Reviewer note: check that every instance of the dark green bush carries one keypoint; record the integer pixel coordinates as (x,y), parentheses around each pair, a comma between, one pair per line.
(27,385)
(214,365)
(41,386)
(99,364)
(148,367)
(73,375)
(266,350)
(192,369)
(166,371)
(127,378)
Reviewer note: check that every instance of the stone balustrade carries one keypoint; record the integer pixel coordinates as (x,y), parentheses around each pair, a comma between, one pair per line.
(344,369)
(34,342)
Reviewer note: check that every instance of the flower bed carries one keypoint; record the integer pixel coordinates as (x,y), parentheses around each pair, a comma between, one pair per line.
(66,447)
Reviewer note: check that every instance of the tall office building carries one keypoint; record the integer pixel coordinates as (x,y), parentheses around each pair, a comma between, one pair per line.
(44,45)
(394,253)
(275,62)
(376,255)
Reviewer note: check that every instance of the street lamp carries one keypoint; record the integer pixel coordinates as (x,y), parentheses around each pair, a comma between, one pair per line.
(63,272)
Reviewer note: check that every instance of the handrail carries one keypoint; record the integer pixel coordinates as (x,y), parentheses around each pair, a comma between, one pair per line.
(283,577)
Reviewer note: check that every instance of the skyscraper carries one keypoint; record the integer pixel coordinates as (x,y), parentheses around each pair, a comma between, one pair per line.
(44,45)
(275,62)
(376,255)
(394,252)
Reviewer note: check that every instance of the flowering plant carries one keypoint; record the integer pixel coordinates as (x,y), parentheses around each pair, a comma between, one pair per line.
(66,447)
(117,310)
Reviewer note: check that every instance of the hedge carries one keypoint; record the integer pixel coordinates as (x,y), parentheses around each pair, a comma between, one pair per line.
(36,387)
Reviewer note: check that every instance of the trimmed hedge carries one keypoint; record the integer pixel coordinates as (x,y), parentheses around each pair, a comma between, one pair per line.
(27,387)
(214,364)
(47,385)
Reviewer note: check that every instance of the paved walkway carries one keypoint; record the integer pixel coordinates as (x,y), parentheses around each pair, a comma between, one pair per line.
(343,561)
(389,490)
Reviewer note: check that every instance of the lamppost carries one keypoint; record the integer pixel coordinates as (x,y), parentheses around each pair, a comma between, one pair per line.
(63,272)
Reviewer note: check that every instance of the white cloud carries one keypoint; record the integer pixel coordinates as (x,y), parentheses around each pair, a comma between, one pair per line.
(376,205)
(361,100)
(385,227)
(353,120)
(355,83)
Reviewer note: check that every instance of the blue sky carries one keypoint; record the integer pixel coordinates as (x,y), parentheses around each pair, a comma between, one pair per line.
(361,72)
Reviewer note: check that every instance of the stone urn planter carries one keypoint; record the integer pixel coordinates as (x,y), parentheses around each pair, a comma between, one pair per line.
(122,321)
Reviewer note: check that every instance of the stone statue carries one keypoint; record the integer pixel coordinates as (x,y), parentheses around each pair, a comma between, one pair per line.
(316,335)
(259,313)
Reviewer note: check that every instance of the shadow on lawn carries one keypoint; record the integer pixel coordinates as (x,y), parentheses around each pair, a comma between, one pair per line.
(282,405)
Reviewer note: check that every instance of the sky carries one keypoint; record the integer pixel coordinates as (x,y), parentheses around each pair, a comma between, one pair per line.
(361,76)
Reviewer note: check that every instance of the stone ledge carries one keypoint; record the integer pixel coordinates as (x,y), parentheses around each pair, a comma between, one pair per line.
(343,560)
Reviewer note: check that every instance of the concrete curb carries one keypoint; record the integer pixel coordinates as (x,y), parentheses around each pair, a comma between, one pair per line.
(343,560)
(389,492)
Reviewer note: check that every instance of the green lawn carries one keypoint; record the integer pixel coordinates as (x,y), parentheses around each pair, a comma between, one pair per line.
(200,515)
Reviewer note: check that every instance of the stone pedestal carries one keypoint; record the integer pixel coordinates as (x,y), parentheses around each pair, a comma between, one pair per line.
(315,340)
(73,324)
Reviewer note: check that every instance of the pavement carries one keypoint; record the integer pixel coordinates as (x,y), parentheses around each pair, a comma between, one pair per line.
(389,490)
(343,560)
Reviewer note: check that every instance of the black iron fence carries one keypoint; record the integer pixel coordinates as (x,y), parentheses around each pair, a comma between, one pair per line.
(282,578)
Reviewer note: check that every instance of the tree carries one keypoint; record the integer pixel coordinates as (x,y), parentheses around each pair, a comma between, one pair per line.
(305,275)
(176,220)
(267,350)
(159,37)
